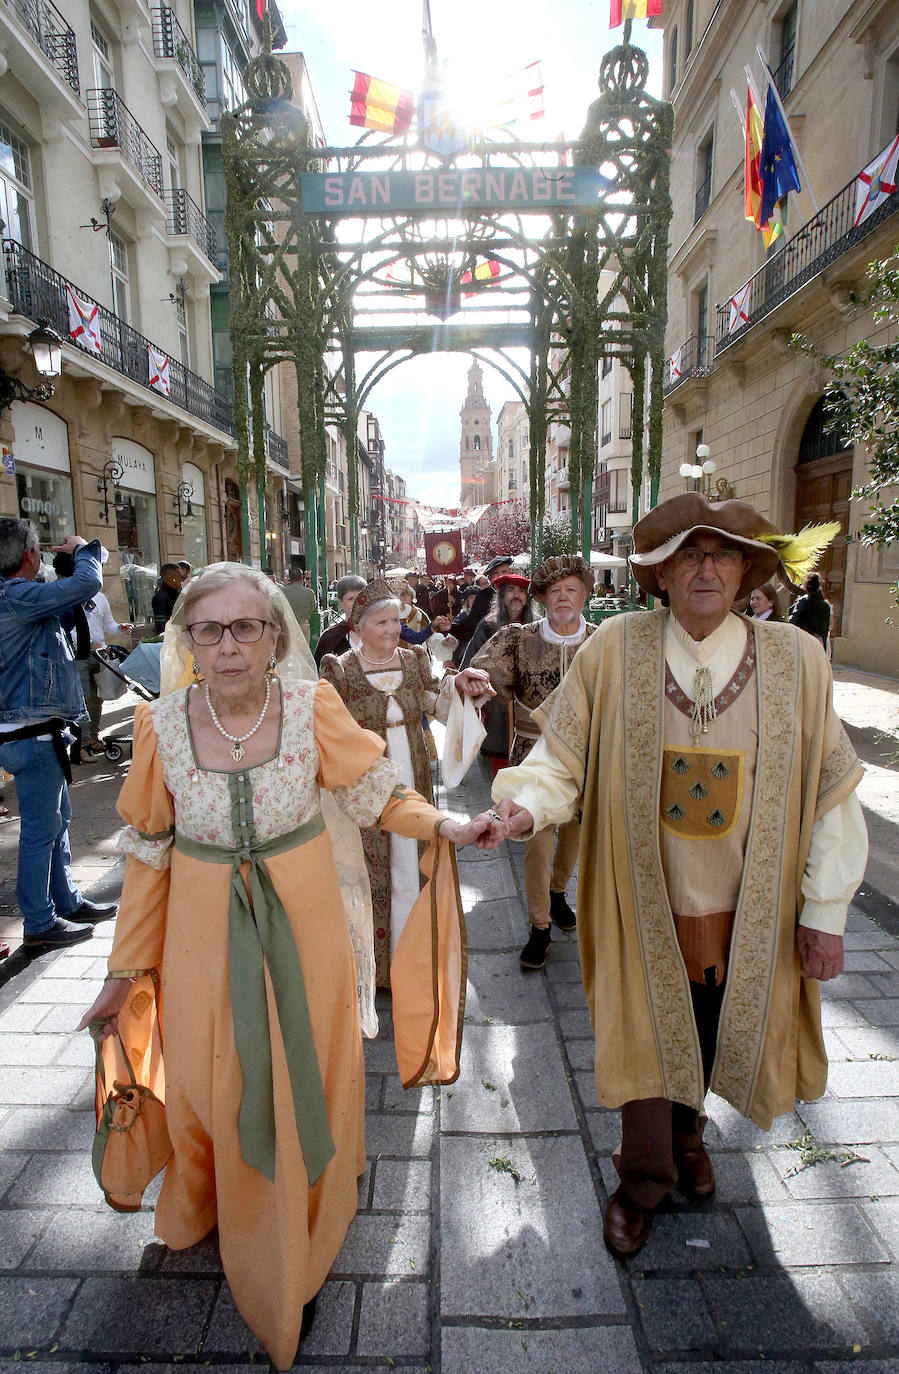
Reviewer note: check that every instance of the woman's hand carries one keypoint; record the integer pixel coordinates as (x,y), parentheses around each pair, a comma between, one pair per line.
(461,834)
(473,682)
(102,1019)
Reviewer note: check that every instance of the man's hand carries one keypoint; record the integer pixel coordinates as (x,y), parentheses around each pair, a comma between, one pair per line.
(462,833)
(473,682)
(441,624)
(507,821)
(821,955)
(69,544)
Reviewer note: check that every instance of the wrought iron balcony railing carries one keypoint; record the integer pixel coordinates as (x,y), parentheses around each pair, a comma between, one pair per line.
(694,358)
(703,198)
(113,125)
(783,77)
(52,34)
(170,40)
(39,293)
(826,237)
(184,216)
(276,447)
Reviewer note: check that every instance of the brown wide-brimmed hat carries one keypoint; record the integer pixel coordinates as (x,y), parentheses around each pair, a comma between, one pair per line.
(555,569)
(670,524)
(379,589)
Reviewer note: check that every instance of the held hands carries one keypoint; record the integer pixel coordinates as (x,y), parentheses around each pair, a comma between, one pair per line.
(478,828)
(473,682)
(820,954)
(102,1019)
(507,821)
(441,624)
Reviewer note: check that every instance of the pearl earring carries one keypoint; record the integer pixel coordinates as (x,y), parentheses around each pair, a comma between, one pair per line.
(272,664)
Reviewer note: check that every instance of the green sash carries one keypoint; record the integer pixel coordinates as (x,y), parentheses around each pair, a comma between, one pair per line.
(259,935)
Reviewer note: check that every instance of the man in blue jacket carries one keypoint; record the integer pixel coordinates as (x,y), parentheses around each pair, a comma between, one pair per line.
(39,692)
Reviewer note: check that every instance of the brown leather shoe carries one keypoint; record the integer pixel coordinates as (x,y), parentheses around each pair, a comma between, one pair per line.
(695,1175)
(626,1226)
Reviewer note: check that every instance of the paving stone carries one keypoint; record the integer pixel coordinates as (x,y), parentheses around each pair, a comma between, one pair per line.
(803,1234)
(31,1308)
(228,1333)
(865,961)
(363,1185)
(62,1018)
(839,1013)
(871,937)
(497,925)
(374,1087)
(380,1056)
(852,985)
(202,1258)
(581,1350)
(56,1180)
(563,970)
(395,1133)
(498,991)
(396,1098)
(832,1178)
(74,966)
(75,1051)
(581,1054)
(864,1041)
(486,882)
(883,1012)
(576,1024)
(747,1176)
(85,1095)
(668,1249)
(739,1367)
(570,996)
(529,1091)
(88,1241)
(781,1313)
(526,1248)
(884,1217)
(586,1088)
(393,1320)
(381,1245)
(402,1185)
(864,1079)
(12,1163)
(876,1299)
(332,1330)
(20,1049)
(32,1086)
(57,1366)
(19,1229)
(737,1133)
(605,1130)
(833,1122)
(858,1367)
(62,992)
(147,1316)
(22,1016)
(47,1128)
(673,1314)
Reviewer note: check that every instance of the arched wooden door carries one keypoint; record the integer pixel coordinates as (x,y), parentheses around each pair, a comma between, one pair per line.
(233,528)
(823,484)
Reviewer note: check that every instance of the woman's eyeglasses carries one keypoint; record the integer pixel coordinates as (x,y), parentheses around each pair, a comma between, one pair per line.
(206,632)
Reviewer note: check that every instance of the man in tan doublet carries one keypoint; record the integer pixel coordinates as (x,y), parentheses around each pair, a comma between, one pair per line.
(721,842)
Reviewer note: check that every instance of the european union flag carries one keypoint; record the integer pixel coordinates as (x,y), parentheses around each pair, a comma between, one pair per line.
(777,165)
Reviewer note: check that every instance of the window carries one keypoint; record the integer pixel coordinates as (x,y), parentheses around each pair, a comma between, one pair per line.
(118,271)
(233,89)
(783,76)
(704,159)
(511,448)
(672,62)
(477,442)
(625,414)
(889,119)
(606,364)
(688,30)
(173,161)
(183,332)
(606,421)
(16,202)
(618,489)
(702,313)
(101,59)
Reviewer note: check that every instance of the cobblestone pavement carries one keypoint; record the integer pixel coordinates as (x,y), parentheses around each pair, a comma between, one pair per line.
(478,1242)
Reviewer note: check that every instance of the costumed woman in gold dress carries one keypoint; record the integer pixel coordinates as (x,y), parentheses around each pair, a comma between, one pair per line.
(388,688)
(233,908)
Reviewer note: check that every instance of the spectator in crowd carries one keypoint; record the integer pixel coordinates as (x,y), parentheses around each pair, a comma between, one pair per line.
(301,599)
(763,602)
(478,605)
(335,639)
(811,612)
(39,692)
(168,589)
(185,570)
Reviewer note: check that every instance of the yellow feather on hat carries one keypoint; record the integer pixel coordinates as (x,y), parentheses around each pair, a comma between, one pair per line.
(800,553)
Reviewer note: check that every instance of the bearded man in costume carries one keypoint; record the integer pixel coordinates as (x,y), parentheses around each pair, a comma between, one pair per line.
(721,842)
(526,663)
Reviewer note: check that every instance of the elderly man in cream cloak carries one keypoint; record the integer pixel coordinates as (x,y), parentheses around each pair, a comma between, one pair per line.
(721,842)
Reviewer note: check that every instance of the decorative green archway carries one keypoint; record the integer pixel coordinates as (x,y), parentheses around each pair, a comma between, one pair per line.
(327,265)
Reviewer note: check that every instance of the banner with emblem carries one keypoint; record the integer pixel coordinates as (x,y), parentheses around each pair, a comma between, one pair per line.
(158,365)
(443,553)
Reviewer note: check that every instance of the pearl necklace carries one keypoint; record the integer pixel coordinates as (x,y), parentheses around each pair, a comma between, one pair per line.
(376,662)
(236,751)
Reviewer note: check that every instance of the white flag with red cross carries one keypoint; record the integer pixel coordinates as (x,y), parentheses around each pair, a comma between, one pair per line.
(159,370)
(84,321)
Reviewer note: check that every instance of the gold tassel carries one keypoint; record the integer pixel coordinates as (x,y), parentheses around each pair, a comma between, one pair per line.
(703,703)
(800,553)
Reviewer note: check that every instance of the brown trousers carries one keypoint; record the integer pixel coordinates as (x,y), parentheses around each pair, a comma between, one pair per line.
(655,1132)
(543,872)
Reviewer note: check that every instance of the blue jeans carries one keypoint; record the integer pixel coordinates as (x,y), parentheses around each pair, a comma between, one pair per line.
(44,886)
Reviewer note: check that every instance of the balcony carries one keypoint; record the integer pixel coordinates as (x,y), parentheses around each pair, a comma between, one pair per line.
(783,76)
(40,48)
(695,358)
(831,233)
(120,142)
(276,448)
(563,481)
(182,82)
(189,230)
(703,199)
(39,293)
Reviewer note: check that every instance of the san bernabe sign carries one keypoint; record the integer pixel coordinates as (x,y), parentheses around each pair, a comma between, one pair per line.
(493,188)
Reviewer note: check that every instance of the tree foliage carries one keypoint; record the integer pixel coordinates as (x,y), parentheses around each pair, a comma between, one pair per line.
(507,529)
(558,536)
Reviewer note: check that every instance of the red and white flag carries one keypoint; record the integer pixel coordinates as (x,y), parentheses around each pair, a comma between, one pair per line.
(675,364)
(84,321)
(739,309)
(158,365)
(877,182)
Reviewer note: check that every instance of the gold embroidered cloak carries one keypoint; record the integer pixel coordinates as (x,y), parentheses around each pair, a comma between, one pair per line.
(605,724)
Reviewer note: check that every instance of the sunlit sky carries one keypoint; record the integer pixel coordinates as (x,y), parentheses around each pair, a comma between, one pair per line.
(481,41)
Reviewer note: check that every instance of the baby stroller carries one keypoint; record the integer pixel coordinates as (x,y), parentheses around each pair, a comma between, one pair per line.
(139,673)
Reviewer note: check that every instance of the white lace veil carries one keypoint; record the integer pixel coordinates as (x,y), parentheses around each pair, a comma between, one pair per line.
(295,664)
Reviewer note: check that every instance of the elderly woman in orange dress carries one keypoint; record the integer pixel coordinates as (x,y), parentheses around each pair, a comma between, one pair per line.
(233,911)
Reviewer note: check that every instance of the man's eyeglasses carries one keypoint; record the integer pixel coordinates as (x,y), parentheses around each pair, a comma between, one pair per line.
(206,632)
(695,558)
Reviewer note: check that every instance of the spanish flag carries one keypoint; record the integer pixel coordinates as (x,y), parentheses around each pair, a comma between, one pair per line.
(752,173)
(378,105)
(632,9)
(485,271)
